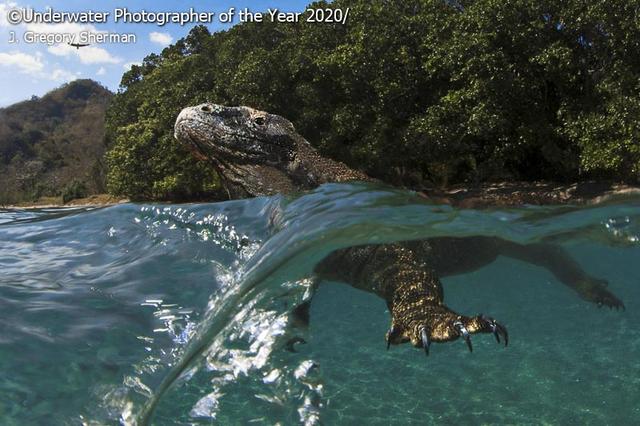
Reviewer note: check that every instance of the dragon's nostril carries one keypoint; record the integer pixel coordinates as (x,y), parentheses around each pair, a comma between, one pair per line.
(206,108)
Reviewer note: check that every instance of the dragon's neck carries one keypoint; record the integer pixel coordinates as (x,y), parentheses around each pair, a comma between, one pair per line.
(310,169)
(306,171)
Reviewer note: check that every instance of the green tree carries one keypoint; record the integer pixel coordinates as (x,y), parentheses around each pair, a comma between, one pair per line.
(413,93)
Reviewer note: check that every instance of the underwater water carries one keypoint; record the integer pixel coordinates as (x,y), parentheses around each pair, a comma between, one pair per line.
(100,309)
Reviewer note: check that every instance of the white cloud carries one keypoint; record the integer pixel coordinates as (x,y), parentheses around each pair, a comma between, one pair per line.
(163,39)
(61,49)
(62,75)
(87,55)
(96,55)
(65,27)
(128,65)
(26,64)
(42,28)
(101,71)
(4,8)
(34,66)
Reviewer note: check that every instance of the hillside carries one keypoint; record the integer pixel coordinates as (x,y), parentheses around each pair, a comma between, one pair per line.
(417,94)
(53,145)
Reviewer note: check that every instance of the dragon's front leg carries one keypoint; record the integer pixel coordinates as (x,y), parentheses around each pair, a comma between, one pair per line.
(412,291)
(420,318)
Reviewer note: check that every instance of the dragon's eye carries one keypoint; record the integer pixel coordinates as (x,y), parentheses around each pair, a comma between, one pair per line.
(259,121)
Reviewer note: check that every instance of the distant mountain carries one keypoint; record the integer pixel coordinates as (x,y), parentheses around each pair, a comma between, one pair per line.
(53,144)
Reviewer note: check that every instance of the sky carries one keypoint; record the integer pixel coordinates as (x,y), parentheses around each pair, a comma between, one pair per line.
(28,69)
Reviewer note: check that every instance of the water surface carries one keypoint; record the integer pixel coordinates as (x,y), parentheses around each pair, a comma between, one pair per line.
(97,306)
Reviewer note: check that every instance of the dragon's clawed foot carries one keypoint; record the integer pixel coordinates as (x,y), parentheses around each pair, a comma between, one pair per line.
(495,328)
(439,324)
(596,291)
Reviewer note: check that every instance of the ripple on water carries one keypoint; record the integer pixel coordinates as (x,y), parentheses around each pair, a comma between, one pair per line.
(98,305)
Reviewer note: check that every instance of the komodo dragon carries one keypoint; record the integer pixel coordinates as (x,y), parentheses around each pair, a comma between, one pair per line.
(257,153)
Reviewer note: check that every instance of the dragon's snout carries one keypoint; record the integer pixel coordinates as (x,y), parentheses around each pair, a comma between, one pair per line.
(185,118)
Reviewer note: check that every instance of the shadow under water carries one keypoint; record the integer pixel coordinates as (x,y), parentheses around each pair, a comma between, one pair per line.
(183,313)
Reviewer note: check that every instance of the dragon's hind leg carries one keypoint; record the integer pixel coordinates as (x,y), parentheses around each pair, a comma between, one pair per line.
(458,255)
(300,314)
(569,272)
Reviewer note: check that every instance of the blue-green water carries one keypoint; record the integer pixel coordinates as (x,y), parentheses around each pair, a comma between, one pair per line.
(97,306)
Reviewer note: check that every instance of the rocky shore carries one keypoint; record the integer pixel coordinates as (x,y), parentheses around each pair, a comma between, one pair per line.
(53,202)
(503,194)
(511,194)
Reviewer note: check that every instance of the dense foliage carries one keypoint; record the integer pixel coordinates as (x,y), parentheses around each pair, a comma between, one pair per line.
(415,93)
(74,190)
(48,143)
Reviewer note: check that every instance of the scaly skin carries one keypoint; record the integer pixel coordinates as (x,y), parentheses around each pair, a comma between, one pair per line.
(413,293)
(257,153)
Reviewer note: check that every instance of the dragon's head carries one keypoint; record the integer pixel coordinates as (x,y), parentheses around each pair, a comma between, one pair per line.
(251,149)
(240,135)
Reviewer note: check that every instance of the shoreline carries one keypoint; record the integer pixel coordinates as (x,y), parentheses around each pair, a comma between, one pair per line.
(485,195)
(514,194)
(96,200)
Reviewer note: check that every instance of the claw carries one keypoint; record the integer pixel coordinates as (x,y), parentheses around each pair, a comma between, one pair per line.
(390,333)
(290,345)
(425,341)
(497,329)
(462,330)
(502,330)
